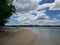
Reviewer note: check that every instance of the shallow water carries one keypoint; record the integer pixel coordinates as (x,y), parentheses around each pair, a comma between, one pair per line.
(46,35)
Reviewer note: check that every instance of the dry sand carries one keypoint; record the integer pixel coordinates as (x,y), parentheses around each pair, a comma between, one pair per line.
(20,37)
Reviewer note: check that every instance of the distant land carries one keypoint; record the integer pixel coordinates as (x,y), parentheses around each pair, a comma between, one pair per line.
(32,25)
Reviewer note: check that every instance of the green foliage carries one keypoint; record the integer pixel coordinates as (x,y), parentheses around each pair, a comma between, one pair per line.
(6,10)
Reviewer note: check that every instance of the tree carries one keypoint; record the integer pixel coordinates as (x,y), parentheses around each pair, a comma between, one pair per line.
(6,10)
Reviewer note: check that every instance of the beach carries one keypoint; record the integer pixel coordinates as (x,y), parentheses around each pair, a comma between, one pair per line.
(18,37)
(31,36)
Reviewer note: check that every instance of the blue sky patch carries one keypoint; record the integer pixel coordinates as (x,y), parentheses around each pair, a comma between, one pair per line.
(46,1)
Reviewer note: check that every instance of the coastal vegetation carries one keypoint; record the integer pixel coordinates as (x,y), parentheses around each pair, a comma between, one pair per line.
(6,10)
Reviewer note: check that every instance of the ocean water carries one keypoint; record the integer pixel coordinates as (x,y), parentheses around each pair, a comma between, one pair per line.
(46,35)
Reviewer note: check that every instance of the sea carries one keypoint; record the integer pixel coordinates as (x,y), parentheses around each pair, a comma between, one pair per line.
(46,35)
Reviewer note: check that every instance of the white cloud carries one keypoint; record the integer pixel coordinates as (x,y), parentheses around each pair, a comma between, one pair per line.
(55,5)
(58,15)
(40,19)
(25,5)
(52,6)
(25,8)
(48,22)
(28,19)
(37,1)
(44,5)
(42,16)
(51,21)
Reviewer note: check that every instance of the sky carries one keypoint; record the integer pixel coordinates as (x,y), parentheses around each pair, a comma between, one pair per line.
(35,12)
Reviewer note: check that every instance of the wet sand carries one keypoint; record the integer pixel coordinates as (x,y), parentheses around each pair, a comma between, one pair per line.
(46,35)
(20,37)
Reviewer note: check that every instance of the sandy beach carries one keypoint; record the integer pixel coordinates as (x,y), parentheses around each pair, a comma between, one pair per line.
(17,37)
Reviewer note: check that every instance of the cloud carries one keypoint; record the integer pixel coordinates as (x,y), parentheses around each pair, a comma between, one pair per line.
(58,15)
(52,6)
(22,18)
(34,19)
(55,5)
(26,10)
(24,6)
(28,18)
(51,21)
(42,16)
(45,5)
(48,22)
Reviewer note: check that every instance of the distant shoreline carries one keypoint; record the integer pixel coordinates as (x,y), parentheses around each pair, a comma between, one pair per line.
(31,26)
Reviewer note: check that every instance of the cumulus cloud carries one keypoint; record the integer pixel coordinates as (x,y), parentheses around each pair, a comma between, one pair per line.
(48,22)
(55,5)
(28,18)
(24,6)
(42,16)
(25,9)
(52,6)
(44,5)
